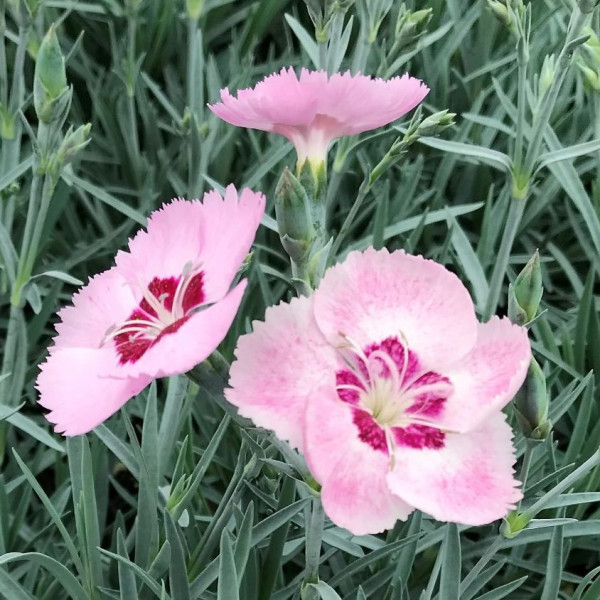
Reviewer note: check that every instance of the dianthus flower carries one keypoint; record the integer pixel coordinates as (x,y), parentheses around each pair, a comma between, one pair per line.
(387,383)
(162,309)
(314,109)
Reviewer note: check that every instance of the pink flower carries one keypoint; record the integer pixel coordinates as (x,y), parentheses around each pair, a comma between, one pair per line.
(314,109)
(393,391)
(161,310)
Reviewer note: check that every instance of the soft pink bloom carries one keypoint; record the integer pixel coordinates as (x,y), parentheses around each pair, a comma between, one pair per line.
(161,310)
(313,110)
(387,383)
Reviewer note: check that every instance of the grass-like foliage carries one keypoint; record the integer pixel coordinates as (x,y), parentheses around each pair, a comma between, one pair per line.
(172,498)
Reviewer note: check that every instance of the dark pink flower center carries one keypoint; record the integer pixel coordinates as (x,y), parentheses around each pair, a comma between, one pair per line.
(394,400)
(166,305)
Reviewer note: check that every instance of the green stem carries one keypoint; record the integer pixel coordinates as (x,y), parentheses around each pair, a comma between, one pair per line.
(521,103)
(515,214)
(542,115)
(314,536)
(134,141)
(195,105)
(526,466)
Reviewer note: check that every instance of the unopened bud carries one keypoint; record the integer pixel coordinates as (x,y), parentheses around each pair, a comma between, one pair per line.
(50,90)
(513,524)
(526,292)
(436,123)
(500,11)
(546,75)
(590,76)
(411,25)
(74,142)
(292,209)
(194,8)
(531,404)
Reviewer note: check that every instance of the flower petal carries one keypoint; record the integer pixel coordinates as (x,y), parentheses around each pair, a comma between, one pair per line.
(216,233)
(470,480)
(355,493)
(277,368)
(191,343)
(104,301)
(73,386)
(375,294)
(487,378)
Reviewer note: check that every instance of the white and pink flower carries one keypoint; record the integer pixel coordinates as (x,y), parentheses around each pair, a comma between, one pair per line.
(387,383)
(162,309)
(314,109)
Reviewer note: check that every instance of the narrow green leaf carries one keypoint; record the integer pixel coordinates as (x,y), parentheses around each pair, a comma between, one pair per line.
(228,585)
(67,580)
(127,585)
(554,566)
(326,592)
(305,40)
(178,578)
(503,591)
(450,578)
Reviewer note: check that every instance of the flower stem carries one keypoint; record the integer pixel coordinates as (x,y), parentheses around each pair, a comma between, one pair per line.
(526,466)
(515,214)
(314,535)
(481,563)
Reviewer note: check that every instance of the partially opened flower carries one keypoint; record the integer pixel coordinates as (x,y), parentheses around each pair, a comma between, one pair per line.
(162,309)
(393,391)
(314,109)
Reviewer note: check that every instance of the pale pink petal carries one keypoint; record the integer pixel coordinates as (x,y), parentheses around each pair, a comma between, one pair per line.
(487,378)
(193,342)
(214,235)
(104,301)
(375,294)
(278,367)
(469,481)
(73,386)
(313,110)
(355,493)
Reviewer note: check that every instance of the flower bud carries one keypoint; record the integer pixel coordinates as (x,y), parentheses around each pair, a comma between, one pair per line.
(513,524)
(74,142)
(194,8)
(292,209)
(411,25)
(531,404)
(546,75)
(50,90)
(500,11)
(525,294)
(435,123)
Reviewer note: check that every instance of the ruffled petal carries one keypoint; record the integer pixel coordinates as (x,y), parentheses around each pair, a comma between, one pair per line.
(214,235)
(277,368)
(374,295)
(74,386)
(470,480)
(104,301)
(487,378)
(355,493)
(194,341)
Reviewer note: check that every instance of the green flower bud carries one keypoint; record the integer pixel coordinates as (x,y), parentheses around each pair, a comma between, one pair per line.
(435,123)
(500,11)
(531,404)
(292,209)
(411,25)
(194,8)
(50,89)
(74,142)
(526,292)
(513,524)
(546,75)
(590,76)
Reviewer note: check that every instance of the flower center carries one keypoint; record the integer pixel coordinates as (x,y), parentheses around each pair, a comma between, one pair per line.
(395,401)
(167,303)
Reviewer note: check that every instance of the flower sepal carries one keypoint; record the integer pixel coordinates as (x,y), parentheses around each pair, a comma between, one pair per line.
(531,404)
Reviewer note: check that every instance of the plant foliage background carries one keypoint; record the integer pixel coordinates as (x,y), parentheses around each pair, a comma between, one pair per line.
(171,499)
